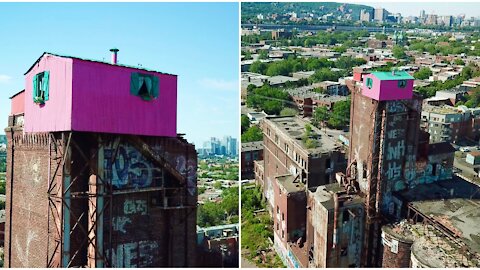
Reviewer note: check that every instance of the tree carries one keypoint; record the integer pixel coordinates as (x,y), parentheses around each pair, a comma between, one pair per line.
(340,116)
(217,185)
(230,201)
(320,115)
(210,214)
(245,123)
(258,67)
(459,62)
(263,54)
(422,74)
(288,112)
(381,36)
(253,134)
(399,52)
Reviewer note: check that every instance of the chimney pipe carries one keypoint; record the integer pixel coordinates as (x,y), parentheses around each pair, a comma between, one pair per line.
(114,55)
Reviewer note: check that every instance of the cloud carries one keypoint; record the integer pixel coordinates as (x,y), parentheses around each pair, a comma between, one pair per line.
(219,84)
(5,78)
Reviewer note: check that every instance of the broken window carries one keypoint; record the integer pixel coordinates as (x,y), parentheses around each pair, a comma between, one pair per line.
(41,87)
(144,86)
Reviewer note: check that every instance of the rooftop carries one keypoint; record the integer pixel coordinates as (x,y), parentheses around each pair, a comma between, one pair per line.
(453,203)
(389,76)
(294,127)
(324,195)
(252,146)
(96,61)
(445,109)
(291,183)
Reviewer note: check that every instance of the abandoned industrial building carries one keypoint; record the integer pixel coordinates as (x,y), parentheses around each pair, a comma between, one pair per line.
(395,202)
(97,175)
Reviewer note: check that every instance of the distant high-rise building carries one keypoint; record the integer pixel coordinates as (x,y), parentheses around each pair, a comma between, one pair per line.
(380,14)
(422,14)
(365,15)
(431,19)
(448,20)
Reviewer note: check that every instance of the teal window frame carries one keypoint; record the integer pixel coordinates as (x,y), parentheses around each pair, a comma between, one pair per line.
(145,86)
(402,83)
(41,87)
(369,83)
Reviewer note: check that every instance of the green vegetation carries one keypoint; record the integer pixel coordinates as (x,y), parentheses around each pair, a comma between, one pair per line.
(225,212)
(443,46)
(422,74)
(307,137)
(399,52)
(288,66)
(472,100)
(288,112)
(467,73)
(218,169)
(247,55)
(381,36)
(253,134)
(320,116)
(257,228)
(267,98)
(245,123)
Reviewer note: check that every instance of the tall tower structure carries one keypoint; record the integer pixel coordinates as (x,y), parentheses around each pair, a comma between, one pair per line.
(384,122)
(97,175)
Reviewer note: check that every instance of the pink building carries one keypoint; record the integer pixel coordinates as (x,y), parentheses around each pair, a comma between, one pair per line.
(388,85)
(64,93)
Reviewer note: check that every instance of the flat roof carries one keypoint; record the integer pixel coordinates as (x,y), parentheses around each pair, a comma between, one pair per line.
(252,146)
(294,127)
(291,183)
(454,203)
(389,76)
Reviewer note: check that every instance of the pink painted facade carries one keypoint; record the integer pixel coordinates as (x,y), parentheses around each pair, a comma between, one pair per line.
(56,113)
(18,103)
(386,89)
(95,97)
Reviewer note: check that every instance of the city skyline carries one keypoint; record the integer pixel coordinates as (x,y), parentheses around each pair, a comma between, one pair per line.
(414,8)
(166,49)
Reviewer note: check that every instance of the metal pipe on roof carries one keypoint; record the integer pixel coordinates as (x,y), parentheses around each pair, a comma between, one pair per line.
(114,55)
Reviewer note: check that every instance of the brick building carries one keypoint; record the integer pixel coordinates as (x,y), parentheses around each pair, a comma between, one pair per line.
(290,167)
(251,152)
(90,181)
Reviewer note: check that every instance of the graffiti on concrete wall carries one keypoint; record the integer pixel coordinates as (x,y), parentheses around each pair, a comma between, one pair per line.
(135,254)
(129,169)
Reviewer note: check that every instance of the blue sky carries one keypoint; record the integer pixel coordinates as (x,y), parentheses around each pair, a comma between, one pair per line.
(197,41)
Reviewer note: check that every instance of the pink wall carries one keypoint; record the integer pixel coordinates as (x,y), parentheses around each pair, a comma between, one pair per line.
(56,113)
(386,89)
(18,104)
(102,102)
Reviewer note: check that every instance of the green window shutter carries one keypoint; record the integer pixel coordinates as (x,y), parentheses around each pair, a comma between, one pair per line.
(34,91)
(369,83)
(46,83)
(155,87)
(134,87)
